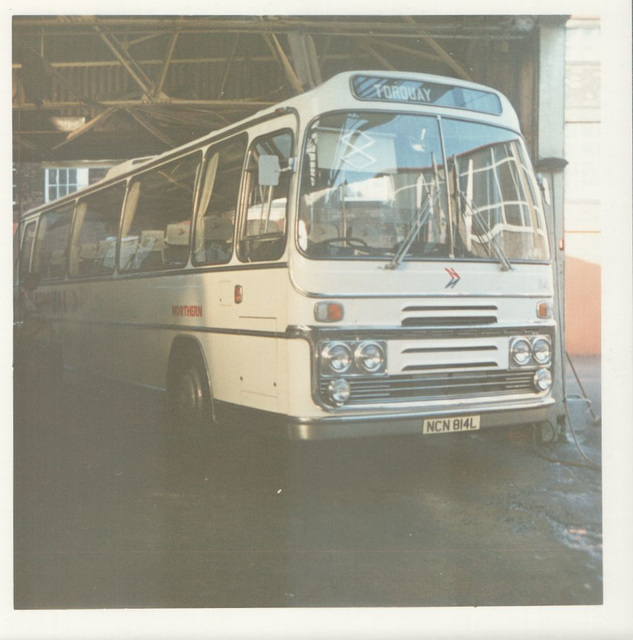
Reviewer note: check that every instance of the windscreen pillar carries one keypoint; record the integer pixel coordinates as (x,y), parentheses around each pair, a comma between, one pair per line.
(551,163)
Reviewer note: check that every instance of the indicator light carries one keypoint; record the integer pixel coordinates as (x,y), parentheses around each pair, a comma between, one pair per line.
(544,310)
(328,312)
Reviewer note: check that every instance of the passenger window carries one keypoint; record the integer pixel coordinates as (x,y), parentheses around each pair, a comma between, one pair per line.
(218,202)
(27,249)
(157,220)
(96,229)
(51,245)
(263,234)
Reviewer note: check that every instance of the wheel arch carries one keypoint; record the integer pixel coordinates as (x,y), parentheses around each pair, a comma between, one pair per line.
(181,347)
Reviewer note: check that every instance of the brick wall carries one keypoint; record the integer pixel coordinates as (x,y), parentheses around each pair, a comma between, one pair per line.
(29,180)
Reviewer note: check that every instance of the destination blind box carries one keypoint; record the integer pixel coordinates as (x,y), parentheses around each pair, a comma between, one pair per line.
(403,90)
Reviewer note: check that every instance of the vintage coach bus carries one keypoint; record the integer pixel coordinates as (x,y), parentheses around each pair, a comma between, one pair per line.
(371,257)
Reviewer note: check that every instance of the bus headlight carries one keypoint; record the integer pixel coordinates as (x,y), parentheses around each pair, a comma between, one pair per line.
(337,357)
(339,391)
(543,380)
(542,350)
(521,351)
(369,357)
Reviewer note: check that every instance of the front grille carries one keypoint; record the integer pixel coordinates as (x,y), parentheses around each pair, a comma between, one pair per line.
(431,321)
(441,386)
(456,315)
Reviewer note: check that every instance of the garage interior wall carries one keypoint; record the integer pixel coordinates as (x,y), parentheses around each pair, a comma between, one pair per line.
(583,188)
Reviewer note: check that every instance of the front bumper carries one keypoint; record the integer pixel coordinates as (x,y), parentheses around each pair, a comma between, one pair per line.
(410,423)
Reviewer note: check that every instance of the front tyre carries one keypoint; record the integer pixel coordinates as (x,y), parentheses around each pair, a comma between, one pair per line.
(189,396)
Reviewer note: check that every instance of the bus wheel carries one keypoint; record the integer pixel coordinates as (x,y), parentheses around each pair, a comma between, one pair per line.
(189,397)
(547,433)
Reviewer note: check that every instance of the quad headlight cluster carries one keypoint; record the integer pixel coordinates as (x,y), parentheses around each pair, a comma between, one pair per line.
(342,357)
(533,351)
(353,357)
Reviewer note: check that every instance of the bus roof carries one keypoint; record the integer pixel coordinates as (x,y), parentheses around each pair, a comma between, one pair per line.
(417,91)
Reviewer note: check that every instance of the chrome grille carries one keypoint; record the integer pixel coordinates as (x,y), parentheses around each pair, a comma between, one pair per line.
(411,388)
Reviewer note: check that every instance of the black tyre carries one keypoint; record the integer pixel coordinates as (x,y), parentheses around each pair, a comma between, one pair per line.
(189,397)
(547,433)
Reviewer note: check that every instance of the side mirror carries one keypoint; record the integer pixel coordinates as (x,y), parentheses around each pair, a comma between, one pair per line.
(268,171)
(543,184)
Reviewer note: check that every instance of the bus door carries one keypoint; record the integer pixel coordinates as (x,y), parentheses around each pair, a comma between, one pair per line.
(258,286)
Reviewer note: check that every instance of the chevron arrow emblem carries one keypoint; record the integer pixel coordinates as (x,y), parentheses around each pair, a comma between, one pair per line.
(455,278)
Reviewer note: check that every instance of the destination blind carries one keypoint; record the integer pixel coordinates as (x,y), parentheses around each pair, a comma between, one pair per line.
(421,92)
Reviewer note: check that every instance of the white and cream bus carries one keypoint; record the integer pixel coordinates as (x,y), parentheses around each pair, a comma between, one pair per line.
(368,258)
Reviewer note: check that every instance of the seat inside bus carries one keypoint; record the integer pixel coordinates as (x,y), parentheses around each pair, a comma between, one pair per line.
(176,244)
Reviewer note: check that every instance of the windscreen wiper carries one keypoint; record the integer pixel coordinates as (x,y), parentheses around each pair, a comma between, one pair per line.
(484,227)
(420,220)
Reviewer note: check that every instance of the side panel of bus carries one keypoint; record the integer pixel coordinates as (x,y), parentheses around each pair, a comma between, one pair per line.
(123,321)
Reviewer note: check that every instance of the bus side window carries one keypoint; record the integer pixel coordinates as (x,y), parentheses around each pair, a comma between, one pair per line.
(157,220)
(51,245)
(263,233)
(97,223)
(26,250)
(218,202)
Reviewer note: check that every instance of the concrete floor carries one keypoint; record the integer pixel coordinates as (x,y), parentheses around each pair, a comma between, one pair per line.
(111,512)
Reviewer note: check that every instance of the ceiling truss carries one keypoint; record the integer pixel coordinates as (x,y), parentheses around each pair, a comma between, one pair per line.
(138,85)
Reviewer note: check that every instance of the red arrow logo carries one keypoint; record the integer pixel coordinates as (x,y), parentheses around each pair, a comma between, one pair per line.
(455,278)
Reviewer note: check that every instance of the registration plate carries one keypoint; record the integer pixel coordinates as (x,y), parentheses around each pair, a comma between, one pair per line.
(450,425)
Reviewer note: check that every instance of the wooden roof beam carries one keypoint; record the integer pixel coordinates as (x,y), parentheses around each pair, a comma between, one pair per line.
(445,57)
(52,71)
(149,36)
(404,49)
(128,62)
(274,45)
(229,62)
(439,26)
(170,52)
(148,126)
(227,104)
(197,117)
(87,64)
(383,61)
(104,115)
